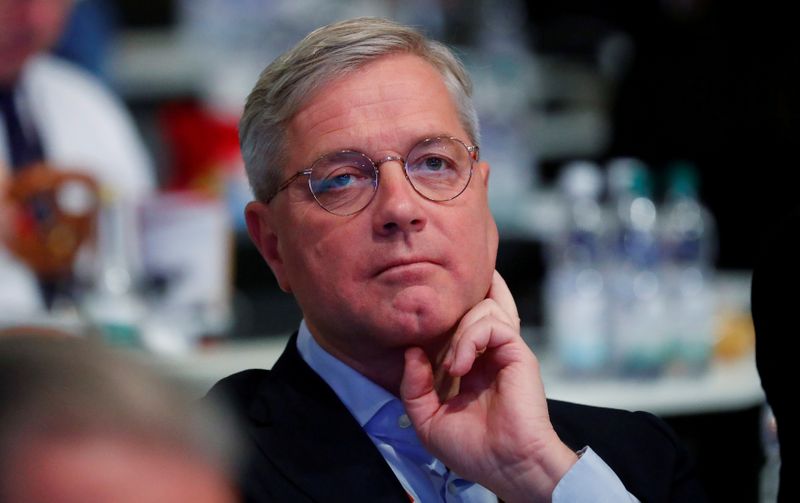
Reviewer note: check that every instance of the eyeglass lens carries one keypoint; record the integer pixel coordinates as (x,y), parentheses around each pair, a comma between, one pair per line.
(344,182)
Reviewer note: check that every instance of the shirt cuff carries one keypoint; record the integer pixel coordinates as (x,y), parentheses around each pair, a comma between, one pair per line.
(591,480)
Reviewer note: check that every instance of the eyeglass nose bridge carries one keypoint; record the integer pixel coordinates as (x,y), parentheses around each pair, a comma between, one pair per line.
(390,158)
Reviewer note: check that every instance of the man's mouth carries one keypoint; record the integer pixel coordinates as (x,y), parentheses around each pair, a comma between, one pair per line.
(401,266)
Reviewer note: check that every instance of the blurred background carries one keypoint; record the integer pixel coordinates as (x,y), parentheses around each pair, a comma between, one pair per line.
(640,152)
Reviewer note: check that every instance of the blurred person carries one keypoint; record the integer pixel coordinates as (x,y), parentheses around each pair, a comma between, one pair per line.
(55,113)
(79,423)
(775,273)
(408,379)
(87,36)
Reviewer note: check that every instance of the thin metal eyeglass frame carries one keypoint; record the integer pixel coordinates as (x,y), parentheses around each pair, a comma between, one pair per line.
(473,152)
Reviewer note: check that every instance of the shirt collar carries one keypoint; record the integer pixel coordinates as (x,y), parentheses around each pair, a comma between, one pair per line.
(362,397)
(375,409)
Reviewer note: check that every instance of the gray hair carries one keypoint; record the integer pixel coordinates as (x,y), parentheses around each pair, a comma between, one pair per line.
(325,54)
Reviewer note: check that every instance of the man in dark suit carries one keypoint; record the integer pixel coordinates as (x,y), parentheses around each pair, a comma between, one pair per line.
(408,379)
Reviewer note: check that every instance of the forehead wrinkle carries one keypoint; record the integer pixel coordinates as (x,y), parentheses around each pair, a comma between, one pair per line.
(400,90)
(359,111)
(370,127)
(365,94)
(350,111)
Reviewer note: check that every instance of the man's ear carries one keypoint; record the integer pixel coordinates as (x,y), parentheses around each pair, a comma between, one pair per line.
(483,172)
(261,227)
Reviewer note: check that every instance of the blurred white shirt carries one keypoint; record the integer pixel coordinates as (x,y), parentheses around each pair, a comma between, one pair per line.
(82,126)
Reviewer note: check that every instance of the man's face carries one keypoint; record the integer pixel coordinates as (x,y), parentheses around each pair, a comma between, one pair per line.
(404,270)
(27,27)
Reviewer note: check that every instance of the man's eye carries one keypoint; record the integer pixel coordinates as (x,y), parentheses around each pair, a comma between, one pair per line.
(432,164)
(337,182)
(341,179)
(435,163)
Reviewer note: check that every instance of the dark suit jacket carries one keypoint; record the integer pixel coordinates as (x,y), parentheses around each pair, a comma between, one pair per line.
(305,446)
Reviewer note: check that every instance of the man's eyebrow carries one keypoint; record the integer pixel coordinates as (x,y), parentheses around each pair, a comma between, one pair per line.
(427,136)
(332,150)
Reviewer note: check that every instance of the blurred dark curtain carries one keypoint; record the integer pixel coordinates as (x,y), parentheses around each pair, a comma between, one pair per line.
(714,82)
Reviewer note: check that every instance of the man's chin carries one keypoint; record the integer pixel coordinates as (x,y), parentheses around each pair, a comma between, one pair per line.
(425,330)
(419,315)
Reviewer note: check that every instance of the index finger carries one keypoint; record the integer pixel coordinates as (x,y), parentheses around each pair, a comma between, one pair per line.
(500,293)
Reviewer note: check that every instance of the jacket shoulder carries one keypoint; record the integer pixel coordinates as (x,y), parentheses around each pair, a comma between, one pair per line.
(640,447)
(238,390)
(579,422)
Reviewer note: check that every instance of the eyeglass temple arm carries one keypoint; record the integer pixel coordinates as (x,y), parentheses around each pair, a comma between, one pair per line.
(287,182)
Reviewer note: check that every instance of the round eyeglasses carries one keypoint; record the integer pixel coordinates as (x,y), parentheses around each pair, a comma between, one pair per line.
(344,182)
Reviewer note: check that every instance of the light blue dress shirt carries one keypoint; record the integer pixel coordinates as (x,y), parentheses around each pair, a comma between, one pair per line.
(425,478)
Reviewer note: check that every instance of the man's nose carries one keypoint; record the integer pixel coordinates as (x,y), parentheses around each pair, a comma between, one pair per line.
(397,207)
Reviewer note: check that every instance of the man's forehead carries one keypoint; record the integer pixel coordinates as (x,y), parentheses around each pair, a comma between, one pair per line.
(386,104)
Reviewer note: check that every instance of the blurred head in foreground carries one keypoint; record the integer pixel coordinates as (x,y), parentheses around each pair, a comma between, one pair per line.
(79,423)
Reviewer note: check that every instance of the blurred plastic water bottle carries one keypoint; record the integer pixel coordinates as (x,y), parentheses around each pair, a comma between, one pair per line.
(640,348)
(575,286)
(688,243)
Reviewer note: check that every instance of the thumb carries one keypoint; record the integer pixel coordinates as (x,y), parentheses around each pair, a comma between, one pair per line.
(417,391)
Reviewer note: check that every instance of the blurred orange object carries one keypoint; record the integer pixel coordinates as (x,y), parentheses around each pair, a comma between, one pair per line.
(52,213)
(735,337)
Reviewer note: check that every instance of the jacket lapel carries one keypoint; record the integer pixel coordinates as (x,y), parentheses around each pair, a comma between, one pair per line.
(310,436)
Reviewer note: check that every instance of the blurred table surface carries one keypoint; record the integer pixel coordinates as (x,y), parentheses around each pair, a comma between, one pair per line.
(727,385)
